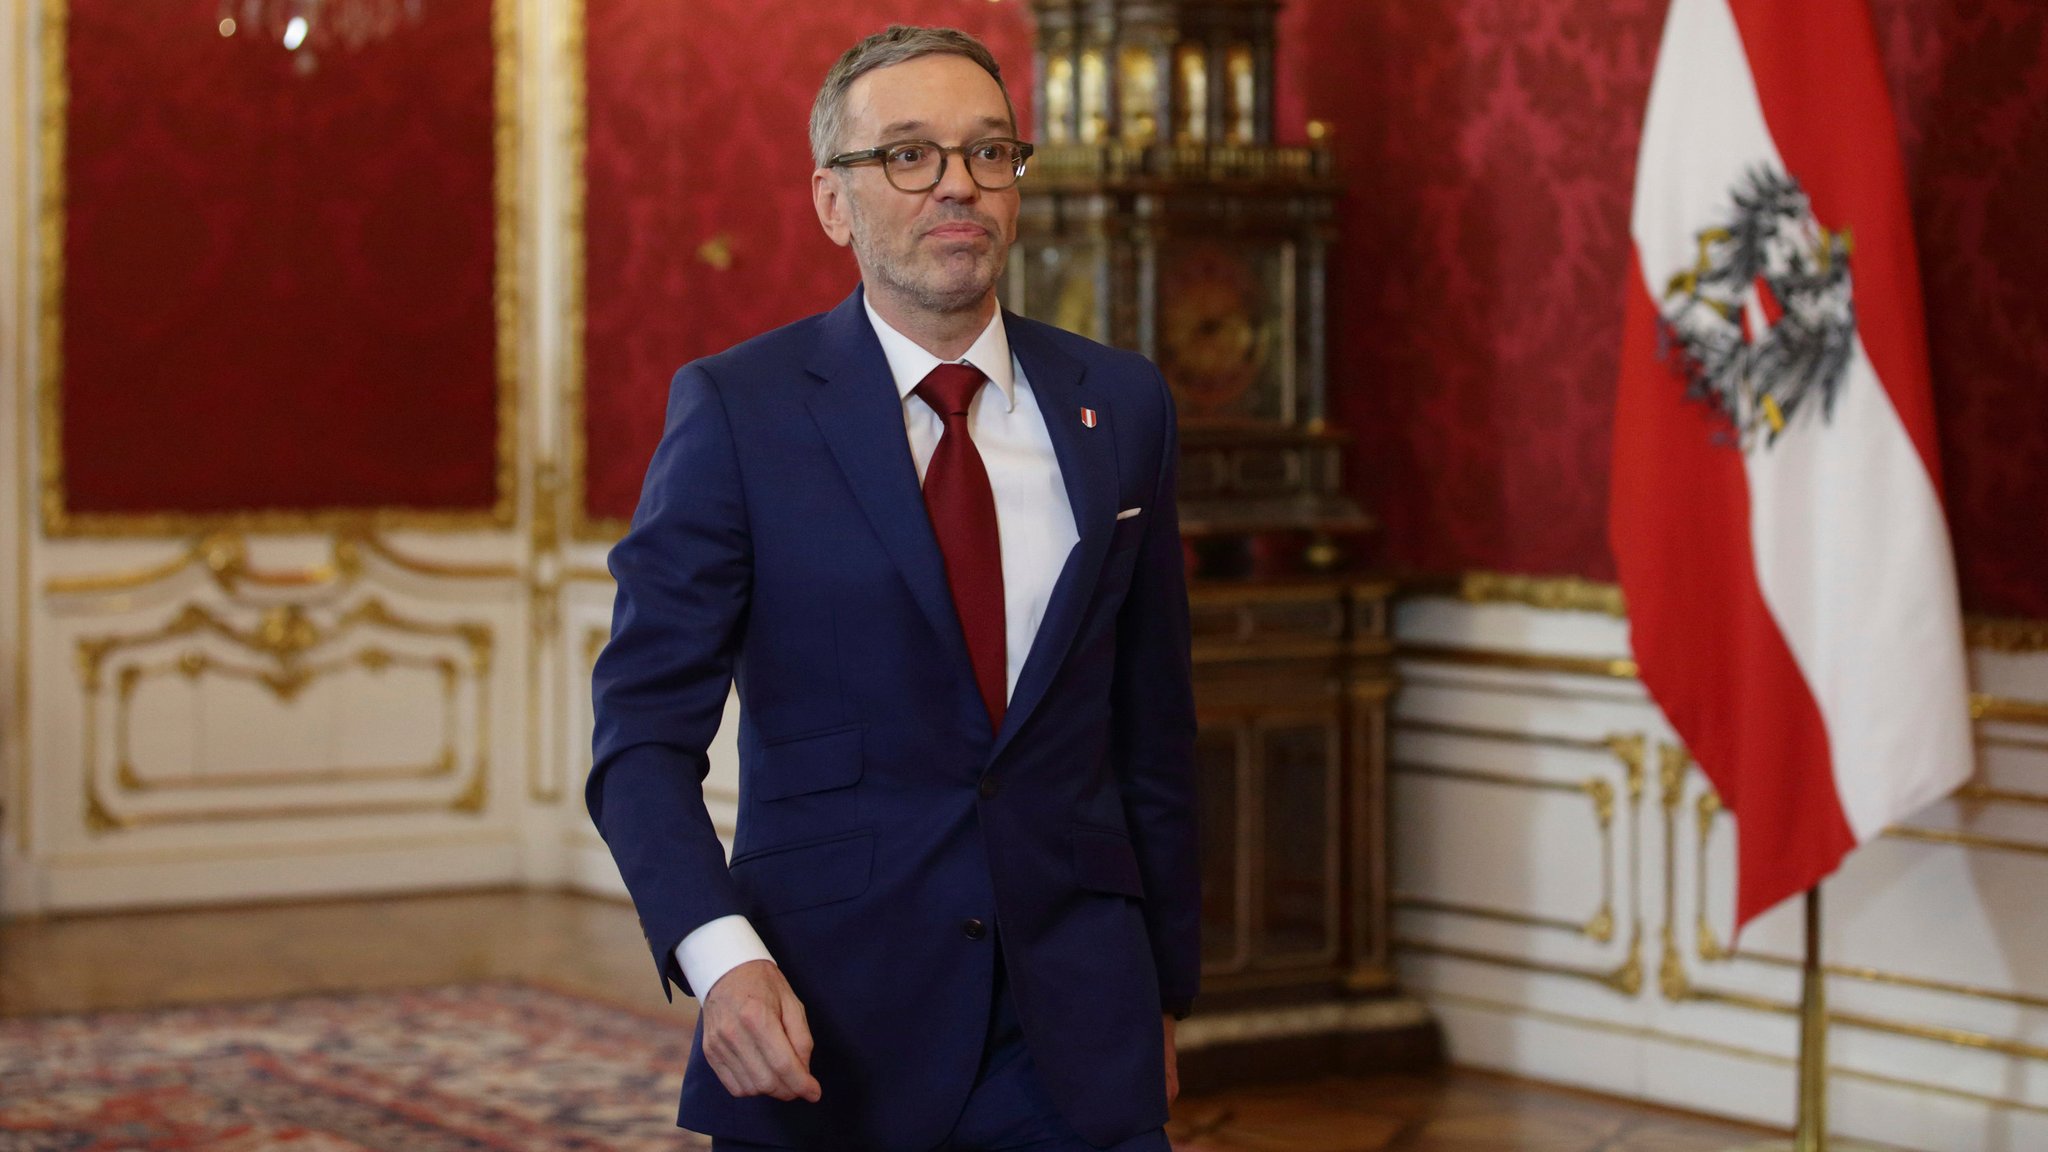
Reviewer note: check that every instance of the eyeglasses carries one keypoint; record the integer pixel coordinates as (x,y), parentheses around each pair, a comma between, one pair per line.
(993,164)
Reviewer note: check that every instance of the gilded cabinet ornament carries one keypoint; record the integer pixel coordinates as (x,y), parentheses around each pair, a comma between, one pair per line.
(1161,215)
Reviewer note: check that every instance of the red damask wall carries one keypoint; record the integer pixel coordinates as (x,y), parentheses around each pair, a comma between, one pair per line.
(277,286)
(697,115)
(1490,146)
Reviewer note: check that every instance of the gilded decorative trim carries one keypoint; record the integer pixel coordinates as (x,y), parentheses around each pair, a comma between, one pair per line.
(1508,735)
(195,665)
(2007,710)
(1629,748)
(1207,1030)
(1984,707)
(58,520)
(27,209)
(1638,1032)
(225,557)
(576,88)
(1899,980)
(1604,667)
(1965,840)
(99,818)
(2013,634)
(1976,793)
(2006,634)
(1410,676)
(1677,986)
(1550,593)
(1626,978)
(285,635)
(1600,928)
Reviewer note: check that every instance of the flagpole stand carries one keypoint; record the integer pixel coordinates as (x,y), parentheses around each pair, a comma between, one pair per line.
(1812,1133)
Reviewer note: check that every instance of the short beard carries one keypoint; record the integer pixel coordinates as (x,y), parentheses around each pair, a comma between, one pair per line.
(924,297)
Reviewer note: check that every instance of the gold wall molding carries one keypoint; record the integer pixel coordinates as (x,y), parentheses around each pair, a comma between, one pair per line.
(224,557)
(1692,1043)
(1625,979)
(284,638)
(1550,593)
(19,782)
(1629,749)
(59,520)
(1602,667)
(1677,985)
(575,73)
(195,665)
(284,633)
(1966,840)
(1375,1015)
(1867,975)
(2006,634)
(1554,593)
(1984,707)
(2008,710)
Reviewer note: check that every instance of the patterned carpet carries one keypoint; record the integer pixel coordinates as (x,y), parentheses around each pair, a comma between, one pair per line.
(519,1067)
(470,1068)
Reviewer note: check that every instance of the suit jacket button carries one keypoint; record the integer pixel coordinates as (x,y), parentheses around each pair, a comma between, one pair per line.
(973,929)
(988,787)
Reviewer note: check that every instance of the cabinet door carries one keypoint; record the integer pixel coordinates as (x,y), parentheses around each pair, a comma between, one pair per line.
(1271,854)
(1222,767)
(1299,863)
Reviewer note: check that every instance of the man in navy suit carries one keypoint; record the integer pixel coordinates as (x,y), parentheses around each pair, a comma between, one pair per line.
(934,545)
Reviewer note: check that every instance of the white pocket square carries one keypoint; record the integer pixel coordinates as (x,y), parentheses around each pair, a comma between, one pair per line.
(1127,513)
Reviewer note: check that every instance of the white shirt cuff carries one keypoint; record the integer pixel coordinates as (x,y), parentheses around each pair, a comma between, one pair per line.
(717,947)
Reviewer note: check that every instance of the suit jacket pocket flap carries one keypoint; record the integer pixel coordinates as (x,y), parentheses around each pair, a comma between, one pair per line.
(1126,533)
(1104,862)
(808,764)
(806,875)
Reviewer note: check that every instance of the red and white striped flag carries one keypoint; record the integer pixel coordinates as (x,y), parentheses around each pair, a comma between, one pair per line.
(1776,507)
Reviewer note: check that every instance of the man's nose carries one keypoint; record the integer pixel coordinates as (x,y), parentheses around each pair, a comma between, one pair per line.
(956,183)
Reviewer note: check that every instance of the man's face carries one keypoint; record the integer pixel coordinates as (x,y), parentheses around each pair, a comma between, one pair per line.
(940,250)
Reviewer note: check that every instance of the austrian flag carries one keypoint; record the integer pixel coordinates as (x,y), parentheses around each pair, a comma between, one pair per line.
(1777,511)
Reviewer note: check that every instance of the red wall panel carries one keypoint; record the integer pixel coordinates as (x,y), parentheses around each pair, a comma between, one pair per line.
(1489,146)
(277,285)
(1489,149)
(697,115)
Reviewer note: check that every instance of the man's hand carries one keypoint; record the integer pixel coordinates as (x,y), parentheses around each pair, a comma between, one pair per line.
(756,1036)
(1172,1061)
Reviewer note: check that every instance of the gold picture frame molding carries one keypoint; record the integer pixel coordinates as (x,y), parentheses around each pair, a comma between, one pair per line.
(58,520)
(582,526)
(2007,634)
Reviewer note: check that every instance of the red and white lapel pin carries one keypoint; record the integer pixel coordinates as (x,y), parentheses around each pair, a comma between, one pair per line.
(1087,417)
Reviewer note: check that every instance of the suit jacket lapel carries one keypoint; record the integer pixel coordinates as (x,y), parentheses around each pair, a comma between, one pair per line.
(1087,459)
(860,415)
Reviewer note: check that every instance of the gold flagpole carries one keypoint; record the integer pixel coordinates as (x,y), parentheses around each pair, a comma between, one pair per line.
(1811,1135)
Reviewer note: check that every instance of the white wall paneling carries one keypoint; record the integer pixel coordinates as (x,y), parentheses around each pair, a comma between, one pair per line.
(1515,724)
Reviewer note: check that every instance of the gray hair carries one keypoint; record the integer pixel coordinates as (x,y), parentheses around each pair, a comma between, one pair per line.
(894,45)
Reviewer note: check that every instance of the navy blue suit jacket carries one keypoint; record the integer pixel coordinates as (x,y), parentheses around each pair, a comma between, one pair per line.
(781,542)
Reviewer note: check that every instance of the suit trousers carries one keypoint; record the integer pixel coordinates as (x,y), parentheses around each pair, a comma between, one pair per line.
(1007,1110)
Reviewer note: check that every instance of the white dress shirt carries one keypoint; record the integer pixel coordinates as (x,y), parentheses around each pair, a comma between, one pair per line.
(1034,524)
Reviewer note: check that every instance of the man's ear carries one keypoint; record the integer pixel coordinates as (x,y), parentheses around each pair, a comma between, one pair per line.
(828,196)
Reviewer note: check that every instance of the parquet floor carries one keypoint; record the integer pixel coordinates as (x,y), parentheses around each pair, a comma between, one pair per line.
(147,959)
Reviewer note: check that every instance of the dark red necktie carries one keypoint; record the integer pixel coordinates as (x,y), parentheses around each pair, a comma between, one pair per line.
(963,511)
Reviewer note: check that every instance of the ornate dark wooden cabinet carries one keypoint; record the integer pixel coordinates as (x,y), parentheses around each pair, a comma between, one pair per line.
(1291,688)
(1160,215)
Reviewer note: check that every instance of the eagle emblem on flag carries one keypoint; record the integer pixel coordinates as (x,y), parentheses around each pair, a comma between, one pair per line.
(1763,325)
